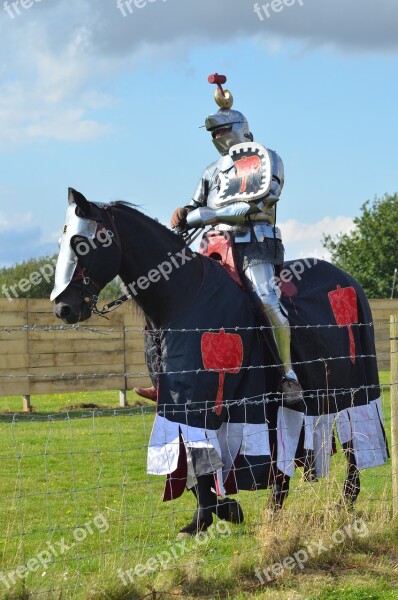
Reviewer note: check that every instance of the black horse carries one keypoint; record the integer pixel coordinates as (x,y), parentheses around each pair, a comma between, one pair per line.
(220,423)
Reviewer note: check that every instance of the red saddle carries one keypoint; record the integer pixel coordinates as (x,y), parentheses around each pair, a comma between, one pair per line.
(218,245)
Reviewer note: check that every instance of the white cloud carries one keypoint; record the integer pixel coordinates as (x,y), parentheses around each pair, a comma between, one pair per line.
(53,97)
(21,239)
(305,239)
(58,53)
(16,222)
(69,126)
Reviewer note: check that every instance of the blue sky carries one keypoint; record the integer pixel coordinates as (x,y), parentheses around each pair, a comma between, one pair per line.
(113,105)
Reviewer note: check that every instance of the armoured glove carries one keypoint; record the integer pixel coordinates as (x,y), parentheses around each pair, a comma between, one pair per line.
(179,217)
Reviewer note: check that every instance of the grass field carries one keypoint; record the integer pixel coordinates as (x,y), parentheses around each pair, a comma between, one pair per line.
(73,483)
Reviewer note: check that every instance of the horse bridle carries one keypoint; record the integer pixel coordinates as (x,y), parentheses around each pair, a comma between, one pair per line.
(84,274)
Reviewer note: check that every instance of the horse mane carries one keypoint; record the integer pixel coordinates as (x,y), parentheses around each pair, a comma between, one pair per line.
(124,203)
(131,207)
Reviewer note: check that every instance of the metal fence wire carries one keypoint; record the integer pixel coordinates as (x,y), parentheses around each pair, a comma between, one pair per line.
(78,509)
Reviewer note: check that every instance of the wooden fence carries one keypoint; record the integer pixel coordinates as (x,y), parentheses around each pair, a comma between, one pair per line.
(381,311)
(96,357)
(36,361)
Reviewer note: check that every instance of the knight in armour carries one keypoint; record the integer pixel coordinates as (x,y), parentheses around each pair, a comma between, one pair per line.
(250,221)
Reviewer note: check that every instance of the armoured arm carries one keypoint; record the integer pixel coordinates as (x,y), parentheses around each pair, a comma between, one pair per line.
(201,194)
(234,213)
(206,183)
(179,217)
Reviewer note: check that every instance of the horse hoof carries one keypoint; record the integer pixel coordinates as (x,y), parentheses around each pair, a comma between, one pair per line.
(230,510)
(199,523)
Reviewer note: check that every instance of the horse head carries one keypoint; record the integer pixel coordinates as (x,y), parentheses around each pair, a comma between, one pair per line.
(89,258)
(100,241)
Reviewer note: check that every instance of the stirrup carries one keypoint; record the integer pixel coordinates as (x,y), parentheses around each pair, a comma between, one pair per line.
(292,392)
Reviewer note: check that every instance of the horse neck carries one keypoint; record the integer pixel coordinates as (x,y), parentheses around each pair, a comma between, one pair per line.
(161,273)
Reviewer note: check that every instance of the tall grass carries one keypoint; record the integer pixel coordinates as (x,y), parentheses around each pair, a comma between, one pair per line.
(59,471)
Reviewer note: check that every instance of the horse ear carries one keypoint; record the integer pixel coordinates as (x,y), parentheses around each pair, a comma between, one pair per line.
(75,197)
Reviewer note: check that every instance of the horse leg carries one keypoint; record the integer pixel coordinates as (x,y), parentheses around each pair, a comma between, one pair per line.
(352,484)
(309,466)
(202,518)
(229,510)
(279,491)
(278,481)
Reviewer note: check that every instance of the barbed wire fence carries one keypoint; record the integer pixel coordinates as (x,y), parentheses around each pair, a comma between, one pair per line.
(76,503)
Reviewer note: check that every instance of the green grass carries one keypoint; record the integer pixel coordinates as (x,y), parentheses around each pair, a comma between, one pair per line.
(60,470)
(49,404)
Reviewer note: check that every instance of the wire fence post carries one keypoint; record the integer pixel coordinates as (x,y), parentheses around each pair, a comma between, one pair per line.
(394,408)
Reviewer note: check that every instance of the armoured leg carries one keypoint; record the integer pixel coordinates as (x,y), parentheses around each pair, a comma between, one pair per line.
(260,279)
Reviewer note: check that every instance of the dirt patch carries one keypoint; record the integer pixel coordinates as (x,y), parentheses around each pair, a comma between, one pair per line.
(84,405)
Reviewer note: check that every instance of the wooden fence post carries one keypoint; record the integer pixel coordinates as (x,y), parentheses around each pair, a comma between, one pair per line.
(123,393)
(123,398)
(26,403)
(394,409)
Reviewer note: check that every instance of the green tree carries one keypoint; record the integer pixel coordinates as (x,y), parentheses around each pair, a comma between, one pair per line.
(113,290)
(370,252)
(34,278)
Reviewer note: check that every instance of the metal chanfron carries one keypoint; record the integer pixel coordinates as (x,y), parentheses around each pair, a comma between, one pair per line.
(67,259)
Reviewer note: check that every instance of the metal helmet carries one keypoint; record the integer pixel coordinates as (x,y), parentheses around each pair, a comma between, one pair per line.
(235,125)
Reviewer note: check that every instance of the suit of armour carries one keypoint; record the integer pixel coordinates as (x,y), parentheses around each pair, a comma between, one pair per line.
(258,244)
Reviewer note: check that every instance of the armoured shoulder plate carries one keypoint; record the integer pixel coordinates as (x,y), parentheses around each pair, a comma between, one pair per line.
(251,178)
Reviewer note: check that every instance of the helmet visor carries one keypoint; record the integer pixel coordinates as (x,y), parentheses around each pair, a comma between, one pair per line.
(220,131)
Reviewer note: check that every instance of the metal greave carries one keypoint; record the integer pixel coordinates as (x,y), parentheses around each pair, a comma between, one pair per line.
(260,279)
